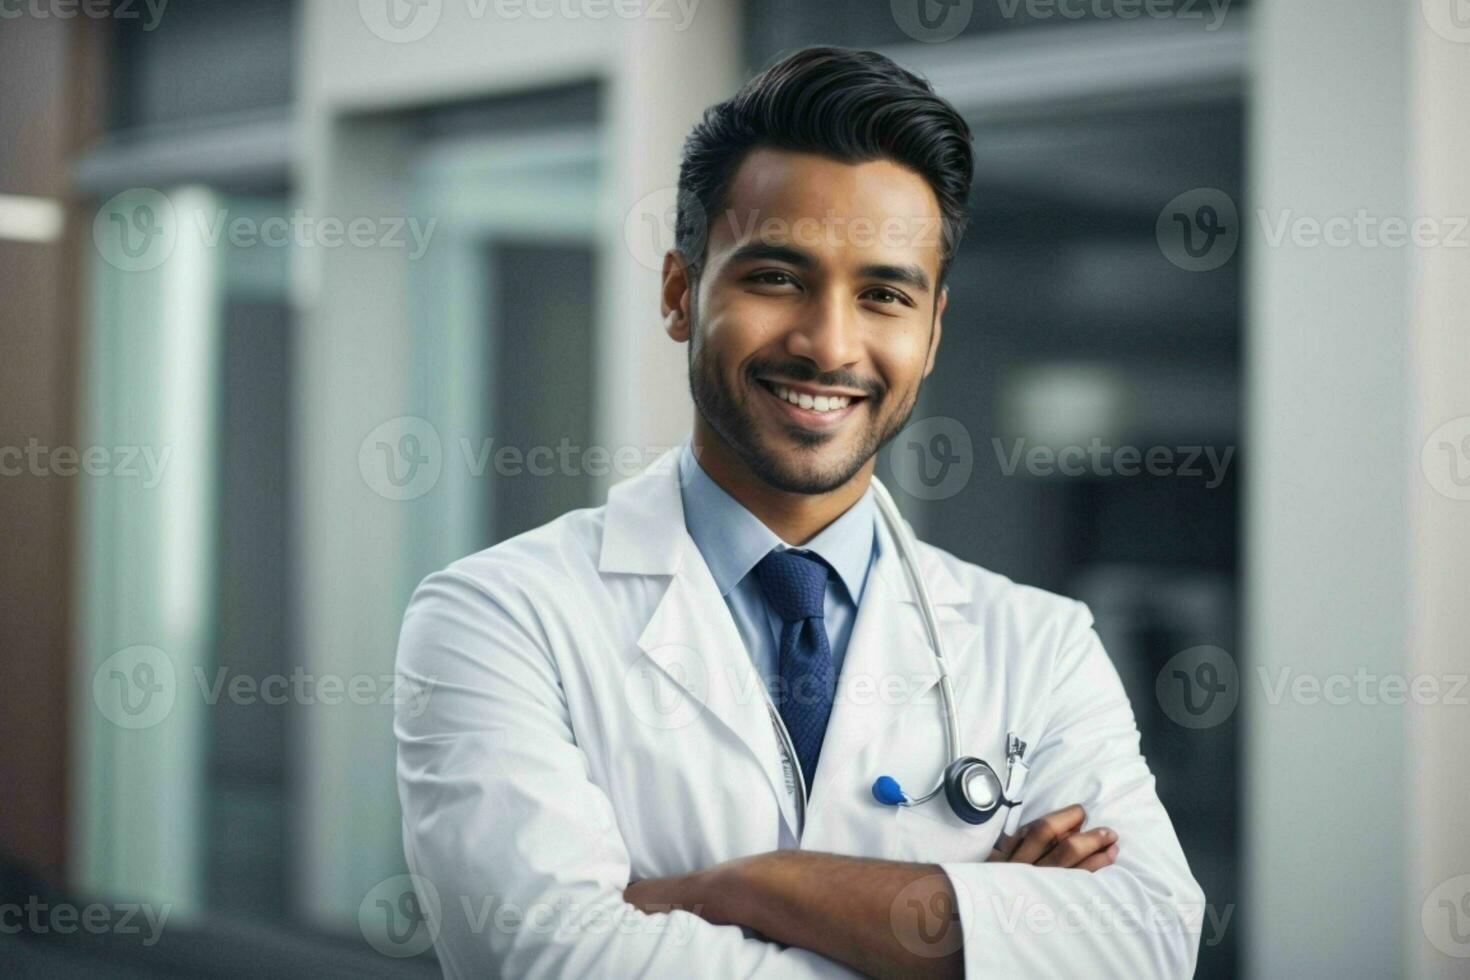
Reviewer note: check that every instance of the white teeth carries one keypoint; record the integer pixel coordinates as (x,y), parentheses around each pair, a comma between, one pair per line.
(821,403)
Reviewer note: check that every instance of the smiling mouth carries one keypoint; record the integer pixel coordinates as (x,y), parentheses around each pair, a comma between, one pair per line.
(819,403)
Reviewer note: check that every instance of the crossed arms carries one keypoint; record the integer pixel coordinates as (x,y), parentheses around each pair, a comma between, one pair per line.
(882,918)
(501,816)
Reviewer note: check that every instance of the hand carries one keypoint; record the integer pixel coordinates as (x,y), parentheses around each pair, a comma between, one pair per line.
(656,894)
(1056,841)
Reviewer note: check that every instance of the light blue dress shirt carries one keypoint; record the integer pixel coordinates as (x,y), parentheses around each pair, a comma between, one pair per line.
(733,540)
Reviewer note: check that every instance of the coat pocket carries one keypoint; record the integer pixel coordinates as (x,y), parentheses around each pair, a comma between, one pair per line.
(931,833)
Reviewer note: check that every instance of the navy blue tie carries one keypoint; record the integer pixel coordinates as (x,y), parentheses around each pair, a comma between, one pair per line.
(795,585)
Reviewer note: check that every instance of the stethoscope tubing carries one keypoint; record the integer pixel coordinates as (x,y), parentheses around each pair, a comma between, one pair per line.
(907,548)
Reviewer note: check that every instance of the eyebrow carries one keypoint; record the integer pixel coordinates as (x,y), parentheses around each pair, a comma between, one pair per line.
(912,276)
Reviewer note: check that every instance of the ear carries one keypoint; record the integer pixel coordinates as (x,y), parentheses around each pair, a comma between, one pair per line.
(939,306)
(674,298)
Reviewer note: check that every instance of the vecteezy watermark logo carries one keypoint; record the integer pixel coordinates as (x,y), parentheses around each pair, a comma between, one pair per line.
(835,229)
(1450,19)
(667,688)
(1445,458)
(1363,230)
(651,226)
(932,459)
(138,229)
(37,917)
(1445,916)
(1021,914)
(564,918)
(400,21)
(135,687)
(400,916)
(302,230)
(1363,687)
(91,9)
(1198,687)
(1099,459)
(1187,10)
(1119,11)
(35,459)
(135,230)
(303,688)
(1199,230)
(402,458)
(926,915)
(572,10)
(931,21)
(138,687)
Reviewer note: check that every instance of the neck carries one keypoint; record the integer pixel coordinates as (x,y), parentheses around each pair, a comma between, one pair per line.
(795,518)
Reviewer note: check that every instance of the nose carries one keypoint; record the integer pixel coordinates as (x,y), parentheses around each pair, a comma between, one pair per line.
(828,333)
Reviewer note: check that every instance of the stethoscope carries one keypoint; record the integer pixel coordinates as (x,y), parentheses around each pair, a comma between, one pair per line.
(972,786)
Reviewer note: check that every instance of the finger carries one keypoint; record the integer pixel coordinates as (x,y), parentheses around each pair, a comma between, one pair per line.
(1005,846)
(1039,836)
(1071,849)
(1045,833)
(1076,848)
(1100,860)
(1051,826)
(1064,821)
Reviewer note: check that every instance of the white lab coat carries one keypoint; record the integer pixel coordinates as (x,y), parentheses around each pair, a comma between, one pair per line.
(592,718)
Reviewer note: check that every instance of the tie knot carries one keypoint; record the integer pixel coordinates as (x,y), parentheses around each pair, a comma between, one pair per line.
(794,584)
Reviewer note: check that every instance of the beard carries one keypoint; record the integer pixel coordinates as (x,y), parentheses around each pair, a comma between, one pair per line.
(727,410)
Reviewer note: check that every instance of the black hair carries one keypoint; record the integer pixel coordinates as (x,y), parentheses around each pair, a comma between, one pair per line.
(852,106)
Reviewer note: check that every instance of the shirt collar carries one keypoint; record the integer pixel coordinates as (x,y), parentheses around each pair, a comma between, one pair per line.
(733,540)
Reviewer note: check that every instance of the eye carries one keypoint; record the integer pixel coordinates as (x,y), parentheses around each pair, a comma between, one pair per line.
(887,297)
(772,277)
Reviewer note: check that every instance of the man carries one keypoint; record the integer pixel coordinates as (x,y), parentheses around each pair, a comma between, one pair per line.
(655,725)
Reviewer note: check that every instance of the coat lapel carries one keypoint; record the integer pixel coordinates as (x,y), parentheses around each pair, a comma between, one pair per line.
(690,635)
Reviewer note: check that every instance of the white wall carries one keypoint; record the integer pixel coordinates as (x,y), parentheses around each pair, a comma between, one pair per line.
(1438,830)
(1354,811)
(1327,562)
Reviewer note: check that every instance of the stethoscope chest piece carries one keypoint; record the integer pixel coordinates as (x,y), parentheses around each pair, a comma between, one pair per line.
(973,789)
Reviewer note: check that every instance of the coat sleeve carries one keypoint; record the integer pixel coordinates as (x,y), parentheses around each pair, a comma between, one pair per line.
(1140,917)
(521,850)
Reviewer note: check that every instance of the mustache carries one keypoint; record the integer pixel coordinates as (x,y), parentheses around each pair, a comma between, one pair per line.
(800,371)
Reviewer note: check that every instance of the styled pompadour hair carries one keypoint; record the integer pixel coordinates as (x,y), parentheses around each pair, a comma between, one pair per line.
(852,106)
